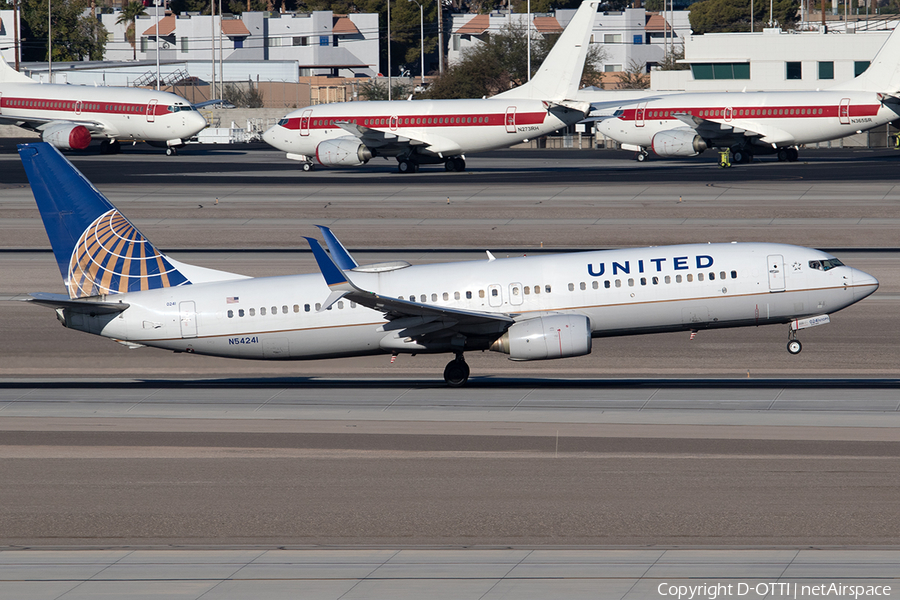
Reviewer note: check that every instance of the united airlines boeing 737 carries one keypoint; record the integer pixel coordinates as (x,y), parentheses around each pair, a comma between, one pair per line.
(531,307)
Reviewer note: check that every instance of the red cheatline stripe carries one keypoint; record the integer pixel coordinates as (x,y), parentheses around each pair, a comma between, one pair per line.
(66,105)
(418,121)
(754,112)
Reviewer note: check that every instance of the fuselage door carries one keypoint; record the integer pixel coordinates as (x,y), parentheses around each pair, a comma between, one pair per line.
(775,267)
(78,107)
(1,103)
(639,115)
(495,295)
(511,119)
(728,113)
(515,294)
(151,111)
(304,122)
(187,314)
(844,111)
(393,122)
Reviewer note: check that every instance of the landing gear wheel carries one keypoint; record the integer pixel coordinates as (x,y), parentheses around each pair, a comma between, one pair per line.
(783,155)
(794,346)
(105,147)
(641,157)
(115,147)
(407,166)
(793,154)
(308,167)
(456,373)
(455,164)
(171,151)
(741,156)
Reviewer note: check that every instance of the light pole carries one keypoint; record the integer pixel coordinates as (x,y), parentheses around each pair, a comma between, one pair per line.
(390,82)
(422,37)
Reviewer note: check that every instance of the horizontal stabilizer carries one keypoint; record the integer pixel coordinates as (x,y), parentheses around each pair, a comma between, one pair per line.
(87,307)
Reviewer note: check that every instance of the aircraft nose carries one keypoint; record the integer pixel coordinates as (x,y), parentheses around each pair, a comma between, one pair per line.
(863,284)
(196,122)
(273,137)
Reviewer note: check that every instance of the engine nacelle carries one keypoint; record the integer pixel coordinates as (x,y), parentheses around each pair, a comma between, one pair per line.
(342,152)
(67,136)
(677,142)
(556,336)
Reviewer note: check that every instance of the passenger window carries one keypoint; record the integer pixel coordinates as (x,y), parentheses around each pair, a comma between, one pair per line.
(678,279)
(423,298)
(240,312)
(571,287)
(318,306)
(526,290)
(630,282)
(434,297)
(712,276)
(595,284)
(252,312)
(537,289)
(643,281)
(734,274)
(481,293)
(722,275)
(699,276)
(456,295)
(547,289)
(668,279)
(446,296)
(656,281)
(352,304)
(275,310)
(515,290)
(468,295)
(284,309)
(583,287)
(495,292)
(340,305)
(690,278)
(305,307)
(618,283)
(606,284)
(262,311)
(230,314)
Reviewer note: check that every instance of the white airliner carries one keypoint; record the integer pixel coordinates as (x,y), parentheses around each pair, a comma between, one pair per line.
(754,123)
(531,307)
(416,132)
(70,116)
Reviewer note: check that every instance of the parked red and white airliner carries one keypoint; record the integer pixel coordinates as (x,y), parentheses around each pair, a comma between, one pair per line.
(417,132)
(752,123)
(70,116)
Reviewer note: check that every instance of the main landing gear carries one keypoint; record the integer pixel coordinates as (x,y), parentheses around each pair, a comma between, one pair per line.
(408,166)
(793,346)
(741,155)
(455,163)
(456,373)
(788,155)
(110,147)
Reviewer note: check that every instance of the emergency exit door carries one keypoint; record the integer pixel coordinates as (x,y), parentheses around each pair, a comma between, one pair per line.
(775,268)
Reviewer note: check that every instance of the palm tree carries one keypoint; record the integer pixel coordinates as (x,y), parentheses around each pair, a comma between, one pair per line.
(130,13)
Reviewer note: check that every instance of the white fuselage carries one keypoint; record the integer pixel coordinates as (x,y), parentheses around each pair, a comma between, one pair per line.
(108,112)
(444,127)
(779,118)
(622,292)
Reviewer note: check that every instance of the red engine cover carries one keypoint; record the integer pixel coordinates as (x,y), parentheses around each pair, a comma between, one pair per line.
(79,137)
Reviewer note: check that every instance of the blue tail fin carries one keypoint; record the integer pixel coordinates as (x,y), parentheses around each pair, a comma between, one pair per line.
(97,249)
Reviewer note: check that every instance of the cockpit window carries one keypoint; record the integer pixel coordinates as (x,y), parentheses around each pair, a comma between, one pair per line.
(825,265)
(282,122)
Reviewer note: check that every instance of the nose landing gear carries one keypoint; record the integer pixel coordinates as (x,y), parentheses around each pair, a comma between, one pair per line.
(793,346)
(456,373)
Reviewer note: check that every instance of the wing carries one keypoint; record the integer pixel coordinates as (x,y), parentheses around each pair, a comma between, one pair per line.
(385,139)
(410,319)
(746,130)
(38,123)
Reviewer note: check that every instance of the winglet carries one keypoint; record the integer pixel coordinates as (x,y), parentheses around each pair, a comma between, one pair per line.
(338,252)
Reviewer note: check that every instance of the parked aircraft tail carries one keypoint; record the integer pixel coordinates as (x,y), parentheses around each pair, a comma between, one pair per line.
(559,76)
(10,75)
(97,249)
(883,74)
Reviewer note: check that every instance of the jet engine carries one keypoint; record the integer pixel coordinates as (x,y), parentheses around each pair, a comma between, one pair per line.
(67,136)
(677,142)
(555,336)
(342,152)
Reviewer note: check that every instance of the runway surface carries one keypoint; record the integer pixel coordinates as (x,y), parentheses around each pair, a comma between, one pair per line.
(721,442)
(485,574)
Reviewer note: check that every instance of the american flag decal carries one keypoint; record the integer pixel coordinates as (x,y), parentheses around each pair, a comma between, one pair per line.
(232,300)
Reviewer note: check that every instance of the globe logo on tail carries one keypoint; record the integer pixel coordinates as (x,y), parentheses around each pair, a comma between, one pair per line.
(112,257)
